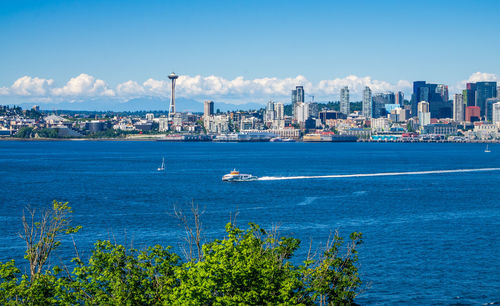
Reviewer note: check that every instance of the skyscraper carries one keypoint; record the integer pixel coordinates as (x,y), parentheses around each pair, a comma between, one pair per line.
(436,95)
(345,106)
(424,116)
(485,90)
(496,113)
(297,96)
(208,108)
(458,108)
(367,102)
(300,93)
(400,97)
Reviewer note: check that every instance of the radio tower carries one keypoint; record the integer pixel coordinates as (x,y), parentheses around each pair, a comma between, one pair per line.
(171,109)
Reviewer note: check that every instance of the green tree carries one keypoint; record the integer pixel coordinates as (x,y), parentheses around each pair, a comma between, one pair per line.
(247,267)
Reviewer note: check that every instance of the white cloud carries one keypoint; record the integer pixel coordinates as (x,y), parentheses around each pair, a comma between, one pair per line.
(129,89)
(84,85)
(473,78)
(237,90)
(28,86)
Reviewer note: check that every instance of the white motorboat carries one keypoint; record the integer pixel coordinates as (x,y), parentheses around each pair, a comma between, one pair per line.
(236,176)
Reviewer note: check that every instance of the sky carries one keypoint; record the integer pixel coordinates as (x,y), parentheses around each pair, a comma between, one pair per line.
(241,51)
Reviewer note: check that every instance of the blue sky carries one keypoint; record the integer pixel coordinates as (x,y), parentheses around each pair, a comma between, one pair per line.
(288,41)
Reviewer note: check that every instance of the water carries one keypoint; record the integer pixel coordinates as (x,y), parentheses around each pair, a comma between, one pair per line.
(429,238)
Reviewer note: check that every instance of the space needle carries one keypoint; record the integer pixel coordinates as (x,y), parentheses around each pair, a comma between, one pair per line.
(171,109)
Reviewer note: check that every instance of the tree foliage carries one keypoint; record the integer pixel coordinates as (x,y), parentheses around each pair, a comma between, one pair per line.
(247,267)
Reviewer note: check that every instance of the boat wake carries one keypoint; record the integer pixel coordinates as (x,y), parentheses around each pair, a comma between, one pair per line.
(278,178)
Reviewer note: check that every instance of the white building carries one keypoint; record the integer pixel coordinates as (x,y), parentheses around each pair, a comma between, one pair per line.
(424,116)
(345,106)
(216,124)
(150,116)
(496,113)
(301,112)
(367,103)
(380,124)
(458,108)
(163,124)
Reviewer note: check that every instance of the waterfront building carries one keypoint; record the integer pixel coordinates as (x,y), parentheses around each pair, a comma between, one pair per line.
(496,113)
(458,108)
(344,101)
(367,103)
(440,129)
(216,124)
(208,108)
(424,116)
(163,124)
(472,113)
(380,124)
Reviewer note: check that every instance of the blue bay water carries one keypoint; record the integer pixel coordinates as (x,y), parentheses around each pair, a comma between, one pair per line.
(428,239)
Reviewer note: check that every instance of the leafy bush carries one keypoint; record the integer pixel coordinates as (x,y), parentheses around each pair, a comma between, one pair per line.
(250,266)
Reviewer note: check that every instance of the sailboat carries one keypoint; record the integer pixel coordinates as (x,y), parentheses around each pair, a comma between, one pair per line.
(487,150)
(162,167)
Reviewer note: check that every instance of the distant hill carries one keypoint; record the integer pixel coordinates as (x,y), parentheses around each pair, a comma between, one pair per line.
(140,104)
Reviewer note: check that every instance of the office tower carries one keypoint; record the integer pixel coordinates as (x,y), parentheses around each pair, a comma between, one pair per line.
(313,109)
(498,91)
(496,113)
(436,95)
(297,96)
(472,113)
(300,93)
(171,109)
(379,102)
(344,101)
(367,102)
(400,97)
(424,116)
(470,94)
(489,108)
(301,112)
(208,108)
(458,108)
(485,90)
(279,111)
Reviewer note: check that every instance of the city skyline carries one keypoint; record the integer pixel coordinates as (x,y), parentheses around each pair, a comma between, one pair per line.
(55,51)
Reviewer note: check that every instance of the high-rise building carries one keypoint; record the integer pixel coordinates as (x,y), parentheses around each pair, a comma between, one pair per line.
(301,112)
(208,108)
(379,101)
(470,94)
(496,113)
(424,116)
(436,95)
(485,90)
(458,108)
(472,113)
(297,96)
(400,97)
(367,102)
(300,93)
(498,91)
(313,110)
(489,108)
(345,106)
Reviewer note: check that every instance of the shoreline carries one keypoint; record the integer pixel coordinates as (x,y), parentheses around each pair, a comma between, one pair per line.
(163,140)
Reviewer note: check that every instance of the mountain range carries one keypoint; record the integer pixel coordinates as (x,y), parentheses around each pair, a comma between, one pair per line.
(140,104)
